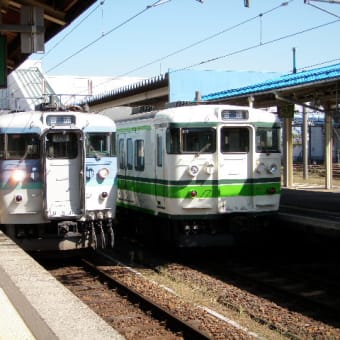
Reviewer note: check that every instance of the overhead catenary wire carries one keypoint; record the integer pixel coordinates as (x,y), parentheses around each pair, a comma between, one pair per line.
(197,42)
(105,34)
(323,10)
(206,39)
(228,29)
(319,64)
(72,30)
(259,45)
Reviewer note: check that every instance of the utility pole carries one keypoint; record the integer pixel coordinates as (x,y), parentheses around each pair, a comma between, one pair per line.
(294,60)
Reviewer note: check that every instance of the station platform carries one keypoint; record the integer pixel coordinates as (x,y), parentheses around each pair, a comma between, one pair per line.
(312,207)
(34,305)
(312,196)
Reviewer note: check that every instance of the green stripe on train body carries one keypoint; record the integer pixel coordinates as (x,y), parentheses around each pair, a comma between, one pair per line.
(210,189)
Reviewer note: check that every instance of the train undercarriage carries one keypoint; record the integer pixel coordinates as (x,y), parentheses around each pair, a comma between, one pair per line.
(62,235)
(191,232)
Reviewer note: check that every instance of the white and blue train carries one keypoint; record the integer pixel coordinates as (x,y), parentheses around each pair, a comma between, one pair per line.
(198,172)
(58,179)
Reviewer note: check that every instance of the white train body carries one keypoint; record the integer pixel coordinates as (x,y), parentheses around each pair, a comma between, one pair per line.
(58,179)
(194,165)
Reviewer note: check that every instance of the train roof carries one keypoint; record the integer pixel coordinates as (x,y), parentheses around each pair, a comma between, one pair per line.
(36,120)
(189,113)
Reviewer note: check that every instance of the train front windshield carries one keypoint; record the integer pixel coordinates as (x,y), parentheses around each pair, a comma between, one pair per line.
(100,144)
(19,146)
(62,145)
(191,140)
(234,139)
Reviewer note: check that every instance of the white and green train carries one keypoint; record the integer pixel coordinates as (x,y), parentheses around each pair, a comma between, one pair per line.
(190,174)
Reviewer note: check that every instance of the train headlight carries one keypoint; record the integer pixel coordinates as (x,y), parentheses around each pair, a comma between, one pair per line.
(210,168)
(18,175)
(193,170)
(103,173)
(260,168)
(272,169)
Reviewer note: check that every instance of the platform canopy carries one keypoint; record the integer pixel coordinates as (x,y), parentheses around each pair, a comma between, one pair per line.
(32,17)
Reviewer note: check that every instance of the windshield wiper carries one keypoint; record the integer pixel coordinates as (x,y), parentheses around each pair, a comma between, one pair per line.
(205,147)
(96,155)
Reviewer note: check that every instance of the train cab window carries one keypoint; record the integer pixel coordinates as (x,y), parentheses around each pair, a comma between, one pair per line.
(23,146)
(268,139)
(100,144)
(198,140)
(139,155)
(121,154)
(61,145)
(234,139)
(191,140)
(129,154)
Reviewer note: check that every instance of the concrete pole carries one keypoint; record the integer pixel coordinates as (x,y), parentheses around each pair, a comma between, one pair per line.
(328,147)
(305,142)
(287,153)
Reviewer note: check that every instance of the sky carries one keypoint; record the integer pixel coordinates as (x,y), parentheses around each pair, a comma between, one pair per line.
(146,38)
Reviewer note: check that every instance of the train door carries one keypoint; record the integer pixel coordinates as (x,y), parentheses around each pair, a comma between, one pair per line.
(160,169)
(125,169)
(64,180)
(235,167)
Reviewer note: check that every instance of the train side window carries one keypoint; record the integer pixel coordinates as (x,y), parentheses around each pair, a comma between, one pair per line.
(172,140)
(121,153)
(113,144)
(159,150)
(2,146)
(23,146)
(234,139)
(139,155)
(129,154)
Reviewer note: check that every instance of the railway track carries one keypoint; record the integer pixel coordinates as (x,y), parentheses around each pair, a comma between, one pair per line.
(174,323)
(290,292)
(136,307)
(307,294)
(284,297)
(318,169)
(257,302)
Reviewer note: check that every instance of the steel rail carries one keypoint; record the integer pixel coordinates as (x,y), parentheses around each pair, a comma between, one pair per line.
(188,330)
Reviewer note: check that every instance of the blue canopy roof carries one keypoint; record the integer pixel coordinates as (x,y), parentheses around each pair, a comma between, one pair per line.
(289,80)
